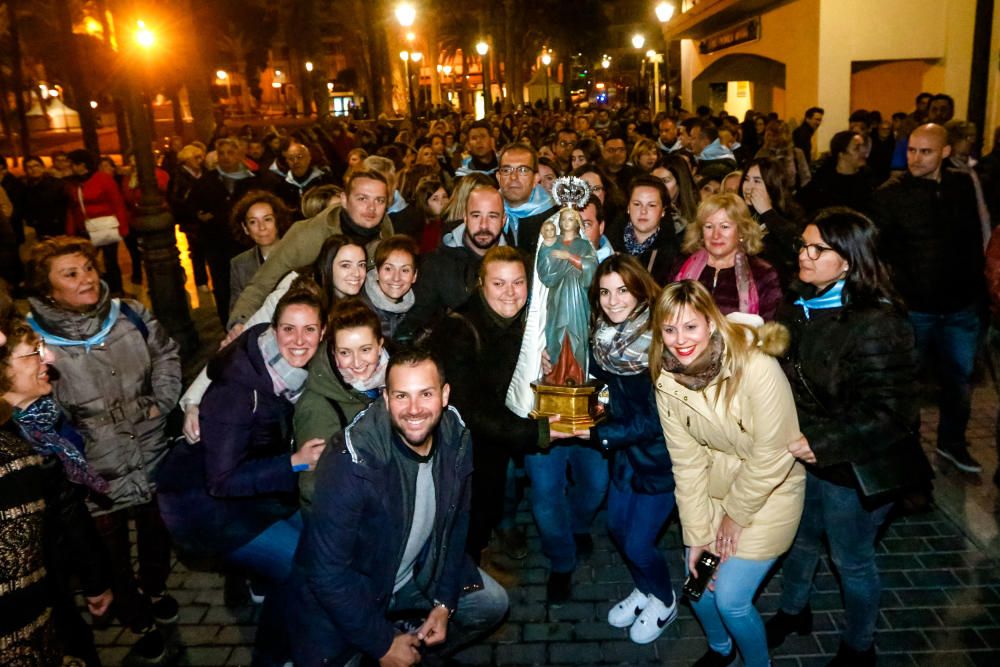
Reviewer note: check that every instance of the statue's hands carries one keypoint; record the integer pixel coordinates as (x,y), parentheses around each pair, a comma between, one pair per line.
(546,363)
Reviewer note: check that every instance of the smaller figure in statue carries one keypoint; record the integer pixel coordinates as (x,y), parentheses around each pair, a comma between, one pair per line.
(566,265)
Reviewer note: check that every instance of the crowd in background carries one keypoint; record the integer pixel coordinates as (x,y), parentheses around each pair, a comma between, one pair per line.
(760,310)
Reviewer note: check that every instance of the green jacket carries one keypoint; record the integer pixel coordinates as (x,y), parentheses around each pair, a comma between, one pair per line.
(299,247)
(326,407)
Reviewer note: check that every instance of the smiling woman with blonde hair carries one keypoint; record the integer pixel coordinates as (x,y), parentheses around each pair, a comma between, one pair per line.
(728,416)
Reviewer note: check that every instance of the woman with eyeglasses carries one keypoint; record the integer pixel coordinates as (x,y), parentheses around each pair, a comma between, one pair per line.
(45,529)
(852,368)
(119,378)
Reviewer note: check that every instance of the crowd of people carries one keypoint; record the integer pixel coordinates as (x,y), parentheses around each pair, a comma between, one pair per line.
(349,456)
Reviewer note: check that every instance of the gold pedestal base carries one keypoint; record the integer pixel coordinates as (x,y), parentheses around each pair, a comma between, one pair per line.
(576,406)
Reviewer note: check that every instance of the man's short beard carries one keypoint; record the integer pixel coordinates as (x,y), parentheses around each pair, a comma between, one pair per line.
(473,241)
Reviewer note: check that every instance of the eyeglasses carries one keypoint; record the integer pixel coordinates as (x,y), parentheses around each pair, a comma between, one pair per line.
(39,350)
(521,170)
(813,250)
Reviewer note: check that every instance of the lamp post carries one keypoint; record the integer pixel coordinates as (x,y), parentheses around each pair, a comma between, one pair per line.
(153,222)
(655,59)
(482,48)
(665,12)
(405,56)
(416,57)
(638,41)
(546,61)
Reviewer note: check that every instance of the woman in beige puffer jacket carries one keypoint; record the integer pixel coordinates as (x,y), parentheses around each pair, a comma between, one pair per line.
(728,416)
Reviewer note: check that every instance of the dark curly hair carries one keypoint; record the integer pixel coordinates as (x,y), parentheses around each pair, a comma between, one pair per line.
(282,215)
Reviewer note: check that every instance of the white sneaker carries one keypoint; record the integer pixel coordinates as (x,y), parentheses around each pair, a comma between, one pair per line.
(625,612)
(653,620)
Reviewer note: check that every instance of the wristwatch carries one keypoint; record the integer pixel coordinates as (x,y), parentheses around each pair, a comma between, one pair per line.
(438,603)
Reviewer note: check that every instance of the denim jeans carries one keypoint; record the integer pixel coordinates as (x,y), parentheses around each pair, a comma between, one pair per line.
(478,613)
(562,510)
(953,339)
(634,521)
(727,614)
(836,511)
(270,554)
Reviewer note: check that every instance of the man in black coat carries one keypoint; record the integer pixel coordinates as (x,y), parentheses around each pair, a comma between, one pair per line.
(212,199)
(931,238)
(302,175)
(449,275)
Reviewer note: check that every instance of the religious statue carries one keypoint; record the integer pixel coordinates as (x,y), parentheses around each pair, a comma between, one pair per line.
(558,324)
(566,265)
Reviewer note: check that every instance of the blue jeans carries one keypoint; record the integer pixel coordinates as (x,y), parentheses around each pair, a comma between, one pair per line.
(727,614)
(953,338)
(836,511)
(562,510)
(270,554)
(634,521)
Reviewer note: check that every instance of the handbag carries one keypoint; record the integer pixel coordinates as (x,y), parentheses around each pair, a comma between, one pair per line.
(102,230)
(899,466)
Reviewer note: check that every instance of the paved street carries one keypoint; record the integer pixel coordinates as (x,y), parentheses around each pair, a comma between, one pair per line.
(940,604)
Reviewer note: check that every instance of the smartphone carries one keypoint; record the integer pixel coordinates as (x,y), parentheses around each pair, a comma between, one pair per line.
(705,567)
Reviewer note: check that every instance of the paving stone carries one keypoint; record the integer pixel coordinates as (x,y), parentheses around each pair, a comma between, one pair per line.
(625,651)
(576,653)
(571,611)
(206,656)
(899,619)
(954,639)
(476,655)
(241,656)
(521,654)
(547,632)
(597,631)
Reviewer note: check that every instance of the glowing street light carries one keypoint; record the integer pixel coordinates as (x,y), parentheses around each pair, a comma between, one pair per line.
(410,36)
(93,104)
(143,35)
(482,48)
(221,75)
(329,86)
(606,62)
(664,11)
(638,41)
(416,56)
(406,14)
(309,66)
(650,53)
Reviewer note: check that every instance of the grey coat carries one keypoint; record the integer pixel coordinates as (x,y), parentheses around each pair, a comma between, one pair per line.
(108,391)
(241,271)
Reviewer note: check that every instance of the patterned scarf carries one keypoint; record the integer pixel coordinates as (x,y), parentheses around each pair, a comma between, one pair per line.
(371,387)
(288,380)
(39,423)
(832,298)
(632,244)
(745,285)
(702,370)
(623,349)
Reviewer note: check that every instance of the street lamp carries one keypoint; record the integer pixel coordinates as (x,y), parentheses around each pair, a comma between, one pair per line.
(153,222)
(406,14)
(482,48)
(665,12)
(416,57)
(638,41)
(309,66)
(547,60)
(223,75)
(605,62)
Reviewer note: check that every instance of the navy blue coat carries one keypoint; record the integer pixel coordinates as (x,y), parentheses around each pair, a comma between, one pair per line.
(633,432)
(217,495)
(337,598)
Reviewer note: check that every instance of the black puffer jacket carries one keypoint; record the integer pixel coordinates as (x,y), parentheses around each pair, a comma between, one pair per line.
(853,372)
(930,237)
(660,257)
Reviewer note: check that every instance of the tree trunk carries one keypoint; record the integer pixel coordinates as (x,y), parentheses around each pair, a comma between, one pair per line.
(433,52)
(196,76)
(81,97)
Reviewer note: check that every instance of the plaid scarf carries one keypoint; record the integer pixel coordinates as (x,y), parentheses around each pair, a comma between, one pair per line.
(623,349)
(288,381)
(632,244)
(39,423)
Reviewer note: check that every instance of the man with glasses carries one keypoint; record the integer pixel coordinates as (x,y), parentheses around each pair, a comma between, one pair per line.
(618,170)
(527,204)
(302,175)
(563,149)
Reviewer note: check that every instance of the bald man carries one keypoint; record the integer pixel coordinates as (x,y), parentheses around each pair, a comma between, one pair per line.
(933,242)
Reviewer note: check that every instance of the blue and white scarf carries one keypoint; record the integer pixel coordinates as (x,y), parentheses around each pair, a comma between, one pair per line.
(832,298)
(539,202)
(635,247)
(87,343)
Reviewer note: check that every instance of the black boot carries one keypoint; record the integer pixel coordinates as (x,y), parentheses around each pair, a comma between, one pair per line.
(716,659)
(849,657)
(783,624)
